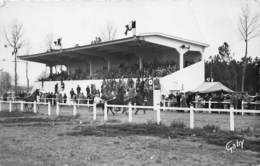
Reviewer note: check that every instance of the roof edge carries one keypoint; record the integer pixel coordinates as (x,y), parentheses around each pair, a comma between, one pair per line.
(24,57)
(174,37)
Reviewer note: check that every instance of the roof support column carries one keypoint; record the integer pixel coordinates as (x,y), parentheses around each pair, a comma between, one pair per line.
(108,64)
(182,51)
(140,62)
(55,67)
(51,72)
(90,68)
(181,60)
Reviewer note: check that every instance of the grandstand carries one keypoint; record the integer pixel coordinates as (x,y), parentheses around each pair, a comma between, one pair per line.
(177,62)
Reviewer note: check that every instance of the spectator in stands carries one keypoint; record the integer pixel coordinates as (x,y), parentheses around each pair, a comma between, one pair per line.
(155,69)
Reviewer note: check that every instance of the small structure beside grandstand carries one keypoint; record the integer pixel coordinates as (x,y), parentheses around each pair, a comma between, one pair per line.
(178,63)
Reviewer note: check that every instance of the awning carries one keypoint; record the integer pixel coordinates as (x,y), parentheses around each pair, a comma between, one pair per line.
(209,87)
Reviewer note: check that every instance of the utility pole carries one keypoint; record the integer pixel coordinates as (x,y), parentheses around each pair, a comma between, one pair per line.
(15,72)
(258,77)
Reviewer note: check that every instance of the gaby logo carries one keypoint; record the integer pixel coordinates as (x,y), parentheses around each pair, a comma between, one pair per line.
(234,144)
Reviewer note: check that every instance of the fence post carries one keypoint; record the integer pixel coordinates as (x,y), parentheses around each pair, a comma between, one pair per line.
(242,107)
(10,106)
(94,111)
(191,117)
(22,106)
(74,109)
(232,124)
(57,108)
(130,113)
(34,107)
(209,106)
(49,108)
(0,106)
(164,105)
(105,111)
(158,114)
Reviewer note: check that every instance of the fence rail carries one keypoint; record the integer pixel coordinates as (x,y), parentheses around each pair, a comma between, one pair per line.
(130,107)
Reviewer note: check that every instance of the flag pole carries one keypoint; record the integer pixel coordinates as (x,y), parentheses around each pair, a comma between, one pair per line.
(134,28)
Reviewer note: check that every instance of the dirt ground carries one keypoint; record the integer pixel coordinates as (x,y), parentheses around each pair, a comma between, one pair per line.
(38,140)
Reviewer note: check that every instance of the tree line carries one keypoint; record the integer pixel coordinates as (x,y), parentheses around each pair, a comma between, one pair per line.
(222,67)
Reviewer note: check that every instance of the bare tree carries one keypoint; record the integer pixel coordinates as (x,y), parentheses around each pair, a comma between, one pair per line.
(110,32)
(49,39)
(14,40)
(249,28)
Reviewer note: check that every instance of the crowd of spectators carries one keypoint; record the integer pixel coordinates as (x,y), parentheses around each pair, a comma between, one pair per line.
(217,100)
(122,90)
(149,69)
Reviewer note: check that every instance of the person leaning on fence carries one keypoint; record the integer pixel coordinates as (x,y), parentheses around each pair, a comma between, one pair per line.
(234,100)
(5,96)
(183,100)
(197,100)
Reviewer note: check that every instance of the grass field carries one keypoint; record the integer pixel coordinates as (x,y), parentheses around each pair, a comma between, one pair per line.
(36,139)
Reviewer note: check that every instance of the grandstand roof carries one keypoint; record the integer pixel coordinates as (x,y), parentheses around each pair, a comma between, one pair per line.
(130,45)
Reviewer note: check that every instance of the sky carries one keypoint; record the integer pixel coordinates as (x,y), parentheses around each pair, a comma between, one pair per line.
(80,21)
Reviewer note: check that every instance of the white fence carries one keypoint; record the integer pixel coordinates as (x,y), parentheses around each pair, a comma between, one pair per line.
(22,103)
(130,108)
(191,110)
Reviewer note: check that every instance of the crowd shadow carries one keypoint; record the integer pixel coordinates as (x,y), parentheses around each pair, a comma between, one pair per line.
(17,118)
(16,113)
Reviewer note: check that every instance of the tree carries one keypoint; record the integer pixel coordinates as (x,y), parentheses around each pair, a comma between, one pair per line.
(14,40)
(222,67)
(249,28)
(109,33)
